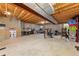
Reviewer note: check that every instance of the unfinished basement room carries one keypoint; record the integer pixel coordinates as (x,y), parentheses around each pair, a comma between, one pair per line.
(39,29)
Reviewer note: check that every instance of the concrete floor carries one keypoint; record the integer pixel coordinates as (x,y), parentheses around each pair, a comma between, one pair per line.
(36,45)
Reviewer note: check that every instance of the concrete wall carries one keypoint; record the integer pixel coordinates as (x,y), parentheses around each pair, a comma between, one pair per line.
(31,26)
(54,27)
(37,27)
(10,23)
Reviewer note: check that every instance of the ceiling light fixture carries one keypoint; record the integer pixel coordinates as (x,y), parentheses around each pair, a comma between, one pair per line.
(42,22)
(7,13)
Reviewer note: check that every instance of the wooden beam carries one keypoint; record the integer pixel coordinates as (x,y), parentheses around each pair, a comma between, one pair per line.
(34,18)
(68,8)
(31,22)
(28,14)
(69,13)
(14,11)
(21,13)
(0,8)
(32,11)
(6,7)
(62,6)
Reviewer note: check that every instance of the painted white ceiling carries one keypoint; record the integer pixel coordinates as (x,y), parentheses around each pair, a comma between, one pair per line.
(42,8)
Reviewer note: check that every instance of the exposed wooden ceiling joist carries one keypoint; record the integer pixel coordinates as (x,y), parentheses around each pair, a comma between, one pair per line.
(66,11)
(32,11)
(21,12)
